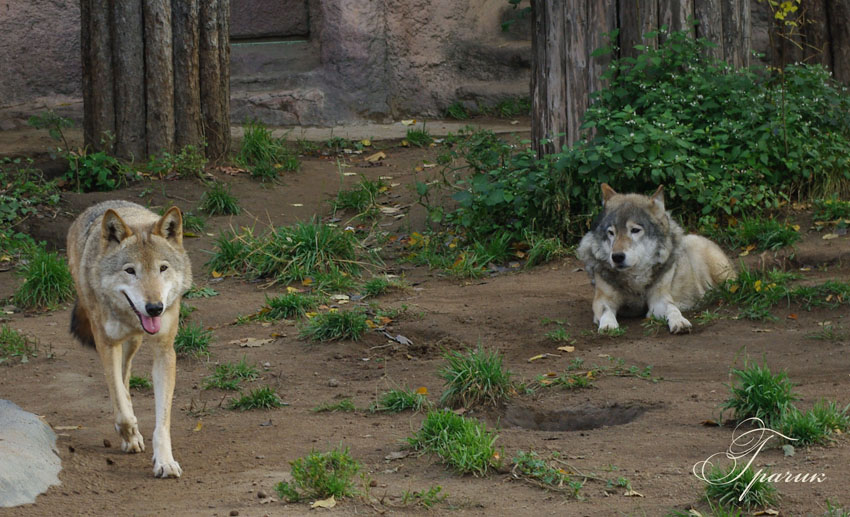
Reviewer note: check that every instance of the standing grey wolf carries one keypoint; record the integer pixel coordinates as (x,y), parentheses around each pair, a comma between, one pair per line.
(130,271)
(639,260)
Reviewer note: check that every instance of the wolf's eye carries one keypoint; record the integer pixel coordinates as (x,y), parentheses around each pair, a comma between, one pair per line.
(130,271)
(162,268)
(636,230)
(611,232)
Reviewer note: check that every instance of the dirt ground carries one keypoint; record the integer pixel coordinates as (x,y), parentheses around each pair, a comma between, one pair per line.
(651,433)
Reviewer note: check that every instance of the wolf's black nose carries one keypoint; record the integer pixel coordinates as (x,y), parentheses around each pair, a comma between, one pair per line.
(154,309)
(618,258)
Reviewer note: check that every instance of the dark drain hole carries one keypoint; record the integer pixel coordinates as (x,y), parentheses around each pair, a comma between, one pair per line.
(573,419)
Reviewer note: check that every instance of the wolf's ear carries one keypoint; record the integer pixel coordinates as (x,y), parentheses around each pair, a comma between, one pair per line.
(113,229)
(607,193)
(658,198)
(170,226)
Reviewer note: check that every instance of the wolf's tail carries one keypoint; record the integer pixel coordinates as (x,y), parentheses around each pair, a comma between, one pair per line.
(81,325)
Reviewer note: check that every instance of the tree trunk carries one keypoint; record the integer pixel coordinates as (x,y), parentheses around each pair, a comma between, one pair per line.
(130,91)
(98,87)
(838,14)
(144,80)
(159,76)
(548,76)
(188,128)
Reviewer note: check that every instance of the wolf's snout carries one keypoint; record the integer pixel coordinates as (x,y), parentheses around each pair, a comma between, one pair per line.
(154,309)
(618,258)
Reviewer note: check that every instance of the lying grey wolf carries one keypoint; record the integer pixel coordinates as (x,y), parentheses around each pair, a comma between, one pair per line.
(130,271)
(639,259)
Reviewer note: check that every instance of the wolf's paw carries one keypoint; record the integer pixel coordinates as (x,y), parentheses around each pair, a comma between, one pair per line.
(608,322)
(166,469)
(131,440)
(679,325)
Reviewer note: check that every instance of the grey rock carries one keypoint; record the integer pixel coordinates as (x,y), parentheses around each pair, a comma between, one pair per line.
(29,463)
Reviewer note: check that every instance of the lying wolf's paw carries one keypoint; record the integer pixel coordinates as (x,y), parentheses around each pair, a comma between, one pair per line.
(608,322)
(166,469)
(679,325)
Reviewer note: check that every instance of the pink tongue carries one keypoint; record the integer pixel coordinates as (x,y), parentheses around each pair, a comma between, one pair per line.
(151,325)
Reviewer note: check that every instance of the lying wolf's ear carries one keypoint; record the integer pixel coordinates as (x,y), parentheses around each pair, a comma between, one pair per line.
(113,229)
(607,193)
(170,226)
(658,198)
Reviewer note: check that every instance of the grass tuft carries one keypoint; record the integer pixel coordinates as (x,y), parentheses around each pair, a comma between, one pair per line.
(47,280)
(345,405)
(288,305)
(259,398)
(335,326)
(760,394)
(228,376)
(140,383)
(264,155)
(320,475)
(217,200)
(398,400)
(193,339)
(474,378)
(726,486)
(14,344)
(462,443)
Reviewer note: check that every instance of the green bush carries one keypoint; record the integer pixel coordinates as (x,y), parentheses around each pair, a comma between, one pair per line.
(264,155)
(724,143)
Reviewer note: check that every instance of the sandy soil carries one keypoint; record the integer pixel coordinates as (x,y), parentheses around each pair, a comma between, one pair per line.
(651,433)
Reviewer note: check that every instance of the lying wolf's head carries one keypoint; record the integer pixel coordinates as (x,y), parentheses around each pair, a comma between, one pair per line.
(633,231)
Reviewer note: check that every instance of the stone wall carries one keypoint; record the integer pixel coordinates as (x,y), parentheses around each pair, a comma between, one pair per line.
(305,62)
(297,62)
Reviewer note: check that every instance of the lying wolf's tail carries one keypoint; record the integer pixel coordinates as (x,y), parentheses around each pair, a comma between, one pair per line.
(81,325)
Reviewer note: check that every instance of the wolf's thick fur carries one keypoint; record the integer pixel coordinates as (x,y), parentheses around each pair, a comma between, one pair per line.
(639,260)
(130,271)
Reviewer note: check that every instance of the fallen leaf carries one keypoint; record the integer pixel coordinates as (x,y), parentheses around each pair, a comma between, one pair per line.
(830,236)
(307,281)
(567,348)
(762,331)
(366,142)
(788,449)
(408,122)
(340,297)
(311,315)
(792,316)
(421,390)
(67,427)
(294,290)
(767,511)
(250,342)
(215,274)
(397,455)
(199,425)
(330,502)
(536,357)
(633,493)
(709,423)
(389,210)
(297,204)
(349,174)
(380,155)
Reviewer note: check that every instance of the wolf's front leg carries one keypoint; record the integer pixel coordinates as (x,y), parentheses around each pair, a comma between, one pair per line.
(606,301)
(164,372)
(125,421)
(662,306)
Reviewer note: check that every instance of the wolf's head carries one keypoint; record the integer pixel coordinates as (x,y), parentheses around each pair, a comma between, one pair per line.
(143,267)
(633,231)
